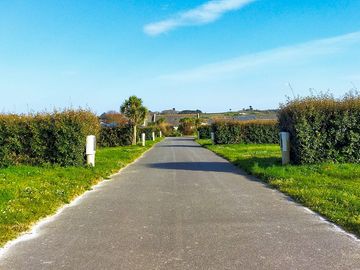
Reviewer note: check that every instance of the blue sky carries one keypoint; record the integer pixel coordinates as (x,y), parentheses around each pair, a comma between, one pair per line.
(199,54)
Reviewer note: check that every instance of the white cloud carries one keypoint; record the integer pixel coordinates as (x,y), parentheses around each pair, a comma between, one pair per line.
(206,13)
(280,56)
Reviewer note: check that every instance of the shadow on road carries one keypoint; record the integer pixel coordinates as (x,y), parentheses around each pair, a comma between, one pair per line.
(196,166)
(181,146)
(182,139)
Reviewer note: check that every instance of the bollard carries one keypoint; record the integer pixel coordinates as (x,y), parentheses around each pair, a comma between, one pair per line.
(153,136)
(198,135)
(160,134)
(213,137)
(90,150)
(285,147)
(143,139)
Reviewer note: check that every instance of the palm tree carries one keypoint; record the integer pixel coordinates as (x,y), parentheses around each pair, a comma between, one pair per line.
(133,109)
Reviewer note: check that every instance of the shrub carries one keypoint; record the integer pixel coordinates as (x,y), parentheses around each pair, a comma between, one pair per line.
(322,128)
(255,131)
(56,138)
(166,129)
(174,133)
(187,126)
(116,136)
(205,132)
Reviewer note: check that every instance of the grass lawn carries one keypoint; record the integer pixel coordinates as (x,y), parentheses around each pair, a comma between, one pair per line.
(29,193)
(333,190)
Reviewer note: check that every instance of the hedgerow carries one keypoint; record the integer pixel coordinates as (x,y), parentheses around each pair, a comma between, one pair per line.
(255,131)
(116,136)
(322,128)
(46,138)
(205,131)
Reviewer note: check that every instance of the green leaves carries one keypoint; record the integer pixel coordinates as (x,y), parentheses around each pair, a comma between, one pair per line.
(116,136)
(256,131)
(323,129)
(205,132)
(56,138)
(133,109)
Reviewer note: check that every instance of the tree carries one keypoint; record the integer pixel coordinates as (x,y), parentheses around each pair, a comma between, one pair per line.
(133,109)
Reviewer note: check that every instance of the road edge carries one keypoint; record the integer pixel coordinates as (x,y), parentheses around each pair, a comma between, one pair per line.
(35,229)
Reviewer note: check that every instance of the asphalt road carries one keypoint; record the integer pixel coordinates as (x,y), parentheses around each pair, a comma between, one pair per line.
(183,207)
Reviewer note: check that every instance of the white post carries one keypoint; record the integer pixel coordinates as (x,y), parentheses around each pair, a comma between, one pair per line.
(90,150)
(143,139)
(213,137)
(285,147)
(160,134)
(153,136)
(198,133)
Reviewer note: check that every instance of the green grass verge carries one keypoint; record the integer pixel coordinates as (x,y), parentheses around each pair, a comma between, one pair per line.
(333,190)
(29,193)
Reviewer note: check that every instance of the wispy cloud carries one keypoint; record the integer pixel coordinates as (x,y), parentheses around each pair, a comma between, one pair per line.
(203,14)
(291,55)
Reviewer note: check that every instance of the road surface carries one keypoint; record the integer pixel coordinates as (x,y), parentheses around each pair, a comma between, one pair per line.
(182,207)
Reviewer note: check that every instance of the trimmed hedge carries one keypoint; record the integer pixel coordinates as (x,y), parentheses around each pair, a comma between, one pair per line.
(256,131)
(55,138)
(322,129)
(205,132)
(116,136)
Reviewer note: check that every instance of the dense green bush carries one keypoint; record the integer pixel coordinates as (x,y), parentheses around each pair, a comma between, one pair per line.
(322,128)
(116,136)
(255,131)
(205,132)
(55,138)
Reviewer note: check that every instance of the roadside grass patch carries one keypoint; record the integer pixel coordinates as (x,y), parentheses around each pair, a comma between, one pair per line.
(29,193)
(331,189)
